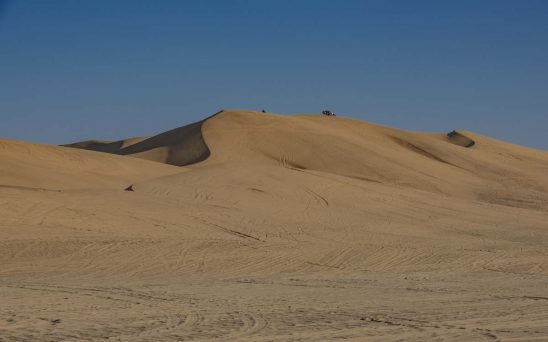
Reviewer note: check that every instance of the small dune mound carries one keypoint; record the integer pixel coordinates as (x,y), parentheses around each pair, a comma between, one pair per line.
(457,138)
(106,146)
(96,145)
(43,167)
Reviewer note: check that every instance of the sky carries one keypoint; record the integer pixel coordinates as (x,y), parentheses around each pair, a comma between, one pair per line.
(77,70)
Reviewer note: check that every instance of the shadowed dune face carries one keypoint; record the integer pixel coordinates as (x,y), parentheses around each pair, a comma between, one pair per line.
(106,146)
(460,139)
(278,228)
(180,146)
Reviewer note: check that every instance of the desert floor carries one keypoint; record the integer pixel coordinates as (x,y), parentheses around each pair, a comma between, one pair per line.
(264,227)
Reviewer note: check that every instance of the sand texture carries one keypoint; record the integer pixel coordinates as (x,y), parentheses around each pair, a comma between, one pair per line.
(265,227)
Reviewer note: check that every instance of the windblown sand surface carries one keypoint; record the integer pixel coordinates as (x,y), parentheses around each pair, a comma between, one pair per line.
(263,227)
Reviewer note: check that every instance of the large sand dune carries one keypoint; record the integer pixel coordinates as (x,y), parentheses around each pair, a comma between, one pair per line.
(277,228)
(451,164)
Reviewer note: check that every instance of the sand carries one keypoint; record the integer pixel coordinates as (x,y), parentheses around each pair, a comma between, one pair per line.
(265,227)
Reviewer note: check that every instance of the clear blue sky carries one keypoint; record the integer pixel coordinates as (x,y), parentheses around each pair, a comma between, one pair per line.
(73,70)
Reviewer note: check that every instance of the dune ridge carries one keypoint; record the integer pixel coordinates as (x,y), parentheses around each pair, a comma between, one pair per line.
(180,146)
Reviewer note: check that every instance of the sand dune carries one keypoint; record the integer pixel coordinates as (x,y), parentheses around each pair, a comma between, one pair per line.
(51,167)
(277,228)
(106,146)
(361,150)
(180,146)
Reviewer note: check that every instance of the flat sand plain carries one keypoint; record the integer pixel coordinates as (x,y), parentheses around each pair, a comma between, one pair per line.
(265,227)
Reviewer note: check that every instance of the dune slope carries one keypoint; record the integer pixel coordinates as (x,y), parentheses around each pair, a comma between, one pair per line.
(180,146)
(50,167)
(451,164)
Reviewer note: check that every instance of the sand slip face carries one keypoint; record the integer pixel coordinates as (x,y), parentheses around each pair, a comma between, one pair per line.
(292,228)
(180,146)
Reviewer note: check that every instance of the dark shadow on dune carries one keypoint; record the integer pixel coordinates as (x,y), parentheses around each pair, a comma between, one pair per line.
(185,145)
(99,146)
(416,149)
(460,139)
